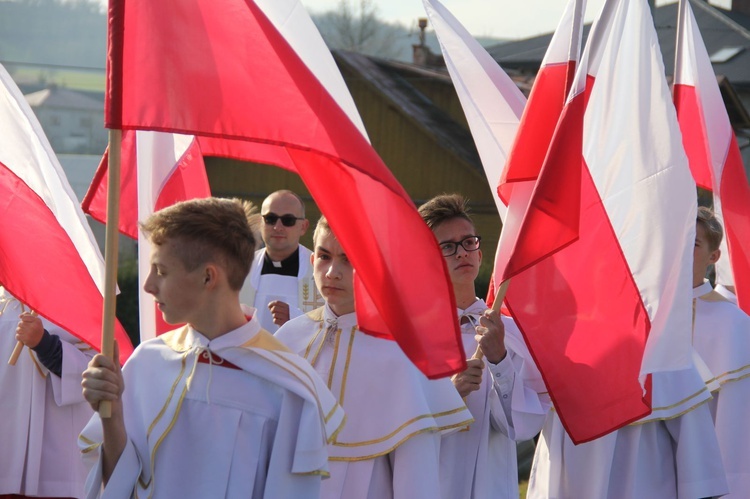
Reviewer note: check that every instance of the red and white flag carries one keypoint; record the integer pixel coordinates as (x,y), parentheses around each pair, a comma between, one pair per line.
(157,170)
(602,267)
(181,175)
(494,106)
(50,259)
(542,112)
(254,81)
(491,101)
(713,152)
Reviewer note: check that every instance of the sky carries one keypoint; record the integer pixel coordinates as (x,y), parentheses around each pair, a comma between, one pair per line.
(512,19)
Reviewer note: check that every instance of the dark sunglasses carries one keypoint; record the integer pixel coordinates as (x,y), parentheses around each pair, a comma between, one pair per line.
(286,220)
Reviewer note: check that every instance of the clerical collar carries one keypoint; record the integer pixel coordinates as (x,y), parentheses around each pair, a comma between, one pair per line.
(288,266)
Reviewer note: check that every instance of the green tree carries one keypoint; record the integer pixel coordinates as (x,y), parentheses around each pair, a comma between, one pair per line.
(127,300)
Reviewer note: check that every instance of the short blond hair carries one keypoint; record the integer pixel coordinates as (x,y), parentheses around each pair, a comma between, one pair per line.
(321,227)
(208,230)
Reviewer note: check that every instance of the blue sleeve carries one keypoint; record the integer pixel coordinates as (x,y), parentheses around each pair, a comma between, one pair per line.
(49,351)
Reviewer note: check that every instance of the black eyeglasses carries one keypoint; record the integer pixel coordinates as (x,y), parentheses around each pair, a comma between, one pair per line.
(287,220)
(450,248)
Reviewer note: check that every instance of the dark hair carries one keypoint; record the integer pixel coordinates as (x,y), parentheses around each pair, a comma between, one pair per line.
(711,225)
(443,208)
(211,229)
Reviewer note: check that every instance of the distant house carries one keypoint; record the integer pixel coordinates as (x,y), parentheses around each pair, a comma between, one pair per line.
(72,120)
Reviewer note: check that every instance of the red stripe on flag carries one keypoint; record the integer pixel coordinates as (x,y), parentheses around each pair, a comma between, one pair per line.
(586,327)
(188,180)
(537,125)
(41,266)
(694,139)
(573,295)
(552,220)
(734,192)
(220,69)
(95,201)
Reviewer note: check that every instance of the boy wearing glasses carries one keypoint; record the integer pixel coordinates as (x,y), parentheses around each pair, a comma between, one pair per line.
(280,284)
(504,391)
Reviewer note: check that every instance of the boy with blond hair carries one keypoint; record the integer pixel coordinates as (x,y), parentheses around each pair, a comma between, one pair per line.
(216,408)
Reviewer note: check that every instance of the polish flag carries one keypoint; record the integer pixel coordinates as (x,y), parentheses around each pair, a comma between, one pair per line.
(157,170)
(50,259)
(602,267)
(546,101)
(184,179)
(254,81)
(713,152)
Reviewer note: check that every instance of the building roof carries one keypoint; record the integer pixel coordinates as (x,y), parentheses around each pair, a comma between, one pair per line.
(57,97)
(719,28)
(391,79)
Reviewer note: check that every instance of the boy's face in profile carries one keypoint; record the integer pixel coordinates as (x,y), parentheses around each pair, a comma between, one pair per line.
(176,290)
(333,273)
(463,266)
(703,255)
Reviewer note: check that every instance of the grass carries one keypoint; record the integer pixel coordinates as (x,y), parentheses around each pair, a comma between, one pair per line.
(76,80)
(522,487)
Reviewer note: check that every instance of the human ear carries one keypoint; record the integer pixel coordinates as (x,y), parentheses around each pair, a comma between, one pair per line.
(714,256)
(210,275)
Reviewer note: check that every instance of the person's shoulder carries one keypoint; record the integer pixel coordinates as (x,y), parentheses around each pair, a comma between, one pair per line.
(259,253)
(174,340)
(304,251)
(720,304)
(293,329)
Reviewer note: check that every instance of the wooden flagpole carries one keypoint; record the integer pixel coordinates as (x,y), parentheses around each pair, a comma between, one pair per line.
(499,297)
(110,254)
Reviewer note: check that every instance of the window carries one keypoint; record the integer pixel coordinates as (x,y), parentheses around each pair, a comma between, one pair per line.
(724,54)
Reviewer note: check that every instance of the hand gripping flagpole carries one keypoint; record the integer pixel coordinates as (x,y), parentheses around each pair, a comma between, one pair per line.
(110,254)
(499,297)
(19,345)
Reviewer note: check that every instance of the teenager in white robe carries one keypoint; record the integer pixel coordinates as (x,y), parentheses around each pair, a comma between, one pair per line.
(280,284)
(721,335)
(671,453)
(207,430)
(41,413)
(390,444)
(722,338)
(504,392)
(217,408)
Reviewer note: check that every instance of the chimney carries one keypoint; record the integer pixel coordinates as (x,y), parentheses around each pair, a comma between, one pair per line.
(421,53)
(741,7)
(420,50)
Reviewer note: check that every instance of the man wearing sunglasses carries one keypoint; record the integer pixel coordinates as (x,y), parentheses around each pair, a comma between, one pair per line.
(280,284)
